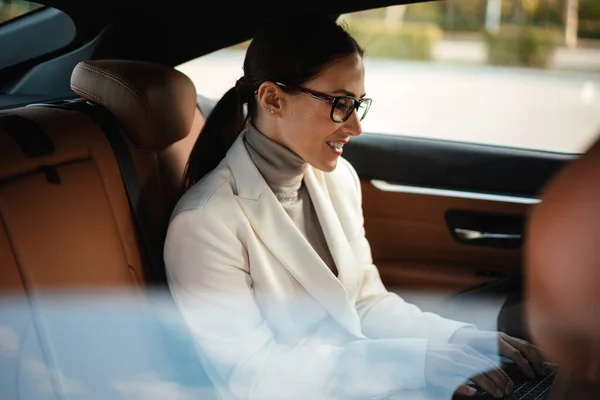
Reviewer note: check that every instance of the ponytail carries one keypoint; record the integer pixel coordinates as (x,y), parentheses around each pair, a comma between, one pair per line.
(269,58)
(220,130)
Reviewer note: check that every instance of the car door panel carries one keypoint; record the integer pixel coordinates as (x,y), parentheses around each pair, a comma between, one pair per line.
(452,165)
(417,192)
(414,248)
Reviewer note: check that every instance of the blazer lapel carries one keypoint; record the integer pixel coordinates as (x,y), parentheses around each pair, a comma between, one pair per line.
(274,227)
(349,271)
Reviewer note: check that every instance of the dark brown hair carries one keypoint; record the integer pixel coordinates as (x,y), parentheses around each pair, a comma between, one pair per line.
(290,50)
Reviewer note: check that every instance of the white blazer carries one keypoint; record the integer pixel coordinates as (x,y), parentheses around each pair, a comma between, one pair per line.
(270,319)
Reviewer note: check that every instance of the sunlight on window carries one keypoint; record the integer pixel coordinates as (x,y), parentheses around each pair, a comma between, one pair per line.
(513,73)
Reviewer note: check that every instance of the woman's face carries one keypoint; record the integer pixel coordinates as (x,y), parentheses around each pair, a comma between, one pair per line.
(304,124)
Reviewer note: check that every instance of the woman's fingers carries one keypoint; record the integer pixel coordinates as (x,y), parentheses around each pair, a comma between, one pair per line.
(530,353)
(509,351)
(484,382)
(466,390)
(497,374)
(476,369)
(486,367)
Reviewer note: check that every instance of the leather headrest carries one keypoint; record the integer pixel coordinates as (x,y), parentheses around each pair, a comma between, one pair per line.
(563,266)
(154,104)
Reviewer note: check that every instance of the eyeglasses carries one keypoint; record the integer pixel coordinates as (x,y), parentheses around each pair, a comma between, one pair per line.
(342,107)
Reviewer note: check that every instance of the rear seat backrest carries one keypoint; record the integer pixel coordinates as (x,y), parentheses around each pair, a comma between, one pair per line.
(65,215)
(155,106)
(66,224)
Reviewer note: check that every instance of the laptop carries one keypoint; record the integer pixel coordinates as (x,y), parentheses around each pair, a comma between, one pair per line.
(538,388)
(557,385)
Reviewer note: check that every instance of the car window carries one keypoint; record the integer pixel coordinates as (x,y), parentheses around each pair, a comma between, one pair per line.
(11,9)
(516,73)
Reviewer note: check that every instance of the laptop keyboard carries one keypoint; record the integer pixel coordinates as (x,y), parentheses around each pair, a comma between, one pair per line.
(525,388)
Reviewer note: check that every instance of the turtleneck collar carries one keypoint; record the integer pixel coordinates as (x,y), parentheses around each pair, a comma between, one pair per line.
(282,168)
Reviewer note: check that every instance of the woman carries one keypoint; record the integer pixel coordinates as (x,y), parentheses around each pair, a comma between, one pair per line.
(266,253)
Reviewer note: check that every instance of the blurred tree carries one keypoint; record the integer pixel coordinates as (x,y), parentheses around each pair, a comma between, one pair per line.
(426,12)
(576,18)
(520,11)
(589,19)
(572,23)
(493,16)
(10,9)
(531,6)
(450,10)
(462,15)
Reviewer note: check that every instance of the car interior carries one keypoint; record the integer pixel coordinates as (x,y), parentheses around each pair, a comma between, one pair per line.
(96,125)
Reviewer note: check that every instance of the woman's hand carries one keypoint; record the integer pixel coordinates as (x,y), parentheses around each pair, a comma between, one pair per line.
(525,355)
(449,366)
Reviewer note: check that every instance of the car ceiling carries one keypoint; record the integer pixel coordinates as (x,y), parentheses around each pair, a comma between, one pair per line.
(177,31)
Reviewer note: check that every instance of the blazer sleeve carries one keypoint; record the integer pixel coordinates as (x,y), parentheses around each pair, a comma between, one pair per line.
(384,314)
(208,272)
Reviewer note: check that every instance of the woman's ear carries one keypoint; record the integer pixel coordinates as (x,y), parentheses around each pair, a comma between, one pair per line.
(269,98)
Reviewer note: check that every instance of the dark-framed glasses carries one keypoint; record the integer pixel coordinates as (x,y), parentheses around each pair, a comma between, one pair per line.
(342,107)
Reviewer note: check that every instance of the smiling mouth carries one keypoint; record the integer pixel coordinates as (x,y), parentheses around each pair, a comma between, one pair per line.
(335,145)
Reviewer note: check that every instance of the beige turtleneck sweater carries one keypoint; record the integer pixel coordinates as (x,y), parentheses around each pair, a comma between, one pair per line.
(283,171)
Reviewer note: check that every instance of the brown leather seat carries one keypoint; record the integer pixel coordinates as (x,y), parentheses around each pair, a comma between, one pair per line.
(66,220)
(65,217)
(66,225)
(563,270)
(155,106)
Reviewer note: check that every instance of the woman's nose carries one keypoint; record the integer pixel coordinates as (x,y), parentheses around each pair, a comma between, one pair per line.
(353,125)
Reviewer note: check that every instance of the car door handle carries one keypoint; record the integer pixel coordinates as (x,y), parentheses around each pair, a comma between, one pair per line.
(470,235)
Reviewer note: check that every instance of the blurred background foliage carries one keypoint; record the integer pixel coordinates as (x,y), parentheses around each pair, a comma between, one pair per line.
(526,32)
(11,9)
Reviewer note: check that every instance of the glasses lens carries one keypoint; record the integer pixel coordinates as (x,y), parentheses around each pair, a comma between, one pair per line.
(342,109)
(363,108)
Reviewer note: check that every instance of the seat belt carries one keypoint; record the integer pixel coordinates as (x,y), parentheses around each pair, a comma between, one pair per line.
(31,139)
(111,128)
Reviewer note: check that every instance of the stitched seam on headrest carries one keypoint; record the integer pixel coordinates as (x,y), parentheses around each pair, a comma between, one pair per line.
(93,96)
(115,78)
(120,81)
